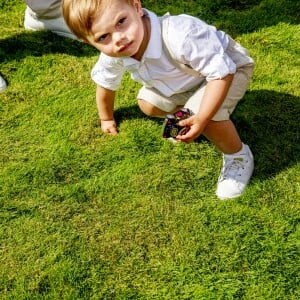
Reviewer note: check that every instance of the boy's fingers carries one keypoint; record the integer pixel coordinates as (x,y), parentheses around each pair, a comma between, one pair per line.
(186,122)
(110,130)
(188,137)
(113,131)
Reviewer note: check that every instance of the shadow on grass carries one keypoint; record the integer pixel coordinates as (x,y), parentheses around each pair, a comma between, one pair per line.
(266,120)
(235,16)
(38,43)
(240,16)
(129,113)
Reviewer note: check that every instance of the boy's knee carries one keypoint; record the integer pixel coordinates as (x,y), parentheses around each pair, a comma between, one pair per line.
(149,109)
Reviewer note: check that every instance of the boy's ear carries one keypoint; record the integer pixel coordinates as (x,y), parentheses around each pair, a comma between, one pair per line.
(137,4)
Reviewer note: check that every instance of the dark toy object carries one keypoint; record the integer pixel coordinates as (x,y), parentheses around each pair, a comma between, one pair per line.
(171,127)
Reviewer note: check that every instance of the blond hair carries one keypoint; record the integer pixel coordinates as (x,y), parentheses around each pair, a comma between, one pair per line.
(80,14)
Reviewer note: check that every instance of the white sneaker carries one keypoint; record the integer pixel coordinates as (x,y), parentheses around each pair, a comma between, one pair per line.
(235,174)
(2,84)
(57,25)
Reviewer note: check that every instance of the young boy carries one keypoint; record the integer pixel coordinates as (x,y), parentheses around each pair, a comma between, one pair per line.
(130,38)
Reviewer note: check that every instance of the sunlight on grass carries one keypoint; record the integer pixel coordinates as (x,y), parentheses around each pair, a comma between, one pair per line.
(89,216)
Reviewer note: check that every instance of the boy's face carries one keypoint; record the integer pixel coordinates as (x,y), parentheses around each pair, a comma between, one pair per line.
(118,31)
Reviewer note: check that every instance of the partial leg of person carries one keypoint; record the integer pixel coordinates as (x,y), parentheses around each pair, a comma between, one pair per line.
(224,135)
(153,111)
(154,104)
(46,15)
(238,163)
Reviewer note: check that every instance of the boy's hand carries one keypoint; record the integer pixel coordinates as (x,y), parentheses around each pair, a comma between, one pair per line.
(196,127)
(109,127)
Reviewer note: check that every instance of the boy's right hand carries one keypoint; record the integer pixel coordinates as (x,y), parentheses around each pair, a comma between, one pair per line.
(109,127)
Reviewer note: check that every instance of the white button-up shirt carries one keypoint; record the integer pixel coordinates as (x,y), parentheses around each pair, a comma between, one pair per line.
(192,41)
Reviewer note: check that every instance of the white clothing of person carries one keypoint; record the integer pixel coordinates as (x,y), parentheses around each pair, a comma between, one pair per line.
(193,42)
(2,84)
(46,15)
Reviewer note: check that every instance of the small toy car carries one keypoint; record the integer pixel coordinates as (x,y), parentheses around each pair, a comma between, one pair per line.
(171,127)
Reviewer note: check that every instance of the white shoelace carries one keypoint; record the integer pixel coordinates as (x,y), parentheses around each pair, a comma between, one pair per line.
(231,168)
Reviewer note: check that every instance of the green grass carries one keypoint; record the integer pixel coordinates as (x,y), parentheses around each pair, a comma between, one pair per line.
(88,216)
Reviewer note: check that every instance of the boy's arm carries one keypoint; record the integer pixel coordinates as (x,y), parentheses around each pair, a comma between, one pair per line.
(105,104)
(215,93)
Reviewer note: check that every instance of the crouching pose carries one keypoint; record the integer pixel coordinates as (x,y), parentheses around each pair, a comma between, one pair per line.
(181,61)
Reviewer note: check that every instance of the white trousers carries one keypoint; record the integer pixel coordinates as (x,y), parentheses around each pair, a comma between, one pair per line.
(46,15)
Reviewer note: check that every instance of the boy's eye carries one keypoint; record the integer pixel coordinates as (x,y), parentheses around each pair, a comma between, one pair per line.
(102,37)
(121,21)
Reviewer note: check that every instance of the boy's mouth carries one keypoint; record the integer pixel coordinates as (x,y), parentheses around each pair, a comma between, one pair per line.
(124,47)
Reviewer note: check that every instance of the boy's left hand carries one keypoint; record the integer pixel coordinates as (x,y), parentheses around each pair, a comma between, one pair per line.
(196,127)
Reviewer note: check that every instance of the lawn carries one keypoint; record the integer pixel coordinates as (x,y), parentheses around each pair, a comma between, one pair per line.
(84,215)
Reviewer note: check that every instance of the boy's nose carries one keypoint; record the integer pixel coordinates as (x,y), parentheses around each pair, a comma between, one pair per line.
(118,37)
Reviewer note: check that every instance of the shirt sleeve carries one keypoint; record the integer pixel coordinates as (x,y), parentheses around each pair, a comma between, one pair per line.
(108,72)
(202,47)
